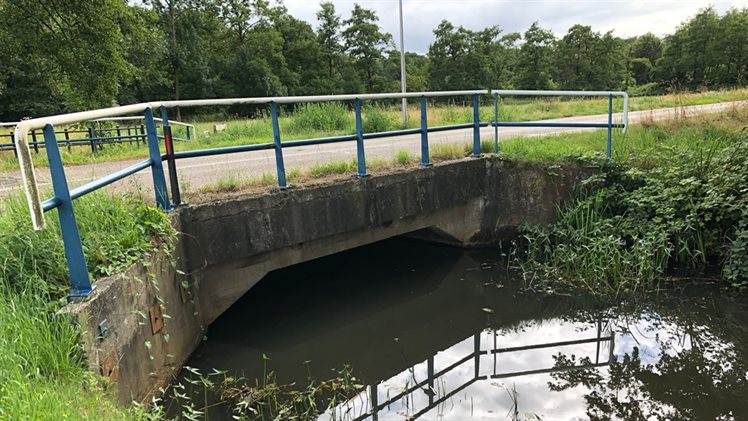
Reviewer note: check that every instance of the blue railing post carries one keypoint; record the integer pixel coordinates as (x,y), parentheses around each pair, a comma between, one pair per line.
(80,282)
(476,127)
(176,196)
(424,134)
(278,147)
(360,155)
(496,123)
(609,148)
(157,168)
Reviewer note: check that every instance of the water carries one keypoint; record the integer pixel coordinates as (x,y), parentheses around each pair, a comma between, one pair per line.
(437,333)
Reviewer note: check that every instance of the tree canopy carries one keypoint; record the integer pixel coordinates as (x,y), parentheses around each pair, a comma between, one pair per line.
(66,56)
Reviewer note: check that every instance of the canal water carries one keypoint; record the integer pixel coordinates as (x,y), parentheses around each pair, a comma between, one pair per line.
(435,333)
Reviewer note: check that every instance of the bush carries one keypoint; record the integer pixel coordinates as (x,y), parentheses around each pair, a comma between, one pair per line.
(691,213)
(324,117)
(376,119)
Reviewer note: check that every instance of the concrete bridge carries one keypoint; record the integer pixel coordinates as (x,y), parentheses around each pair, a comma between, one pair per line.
(143,324)
(228,246)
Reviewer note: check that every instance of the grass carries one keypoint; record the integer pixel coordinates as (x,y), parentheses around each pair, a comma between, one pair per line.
(639,145)
(42,374)
(334,119)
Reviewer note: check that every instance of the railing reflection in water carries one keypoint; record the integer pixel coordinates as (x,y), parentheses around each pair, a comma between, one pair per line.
(416,398)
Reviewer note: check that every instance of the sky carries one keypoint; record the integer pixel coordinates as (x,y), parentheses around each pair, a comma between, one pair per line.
(625,17)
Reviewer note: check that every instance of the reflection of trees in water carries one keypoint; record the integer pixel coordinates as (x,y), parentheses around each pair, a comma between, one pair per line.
(695,374)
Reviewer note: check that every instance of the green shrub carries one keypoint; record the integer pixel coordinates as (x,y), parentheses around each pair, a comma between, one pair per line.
(691,213)
(376,119)
(323,117)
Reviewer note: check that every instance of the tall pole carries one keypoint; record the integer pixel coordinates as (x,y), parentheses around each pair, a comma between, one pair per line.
(402,67)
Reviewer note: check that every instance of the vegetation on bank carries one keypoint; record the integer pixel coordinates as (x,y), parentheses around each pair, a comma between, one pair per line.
(673,205)
(318,120)
(42,374)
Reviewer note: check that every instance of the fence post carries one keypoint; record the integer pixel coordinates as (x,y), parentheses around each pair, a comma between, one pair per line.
(157,168)
(280,167)
(67,139)
(13,141)
(496,123)
(176,196)
(36,143)
(119,134)
(609,148)
(476,127)
(142,133)
(360,155)
(424,134)
(80,281)
(91,138)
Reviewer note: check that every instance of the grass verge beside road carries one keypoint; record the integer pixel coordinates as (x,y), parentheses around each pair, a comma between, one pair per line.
(42,374)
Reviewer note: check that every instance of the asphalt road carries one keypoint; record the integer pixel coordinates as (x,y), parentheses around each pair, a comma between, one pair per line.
(206,170)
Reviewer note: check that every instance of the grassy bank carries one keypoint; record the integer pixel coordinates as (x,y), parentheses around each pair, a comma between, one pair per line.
(333,119)
(42,375)
(673,206)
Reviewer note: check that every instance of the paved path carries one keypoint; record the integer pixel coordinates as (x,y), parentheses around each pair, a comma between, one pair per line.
(206,170)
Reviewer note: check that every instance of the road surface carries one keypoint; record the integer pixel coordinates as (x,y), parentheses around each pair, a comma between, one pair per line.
(197,172)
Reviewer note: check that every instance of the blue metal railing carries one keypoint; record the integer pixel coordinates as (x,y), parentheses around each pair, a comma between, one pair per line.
(63,197)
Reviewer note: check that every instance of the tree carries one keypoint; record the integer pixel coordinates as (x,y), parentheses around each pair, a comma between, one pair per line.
(328,34)
(694,56)
(67,50)
(365,42)
(304,57)
(146,48)
(587,60)
(535,59)
(706,52)
(460,57)
(644,53)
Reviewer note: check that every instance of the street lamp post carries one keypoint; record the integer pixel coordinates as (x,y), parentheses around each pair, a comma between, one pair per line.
(402,67)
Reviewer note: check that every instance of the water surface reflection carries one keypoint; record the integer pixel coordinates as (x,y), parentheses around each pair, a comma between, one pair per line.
(437,333)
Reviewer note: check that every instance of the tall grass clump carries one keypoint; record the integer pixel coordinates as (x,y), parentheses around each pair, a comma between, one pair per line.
(115,232)
(376,119)
(42,374)
(633,227)
(332,168)
(321,117)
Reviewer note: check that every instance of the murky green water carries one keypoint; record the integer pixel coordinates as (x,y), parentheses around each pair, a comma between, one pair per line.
(437,333)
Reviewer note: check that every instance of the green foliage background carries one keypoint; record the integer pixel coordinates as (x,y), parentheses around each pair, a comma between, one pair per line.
(68,56)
